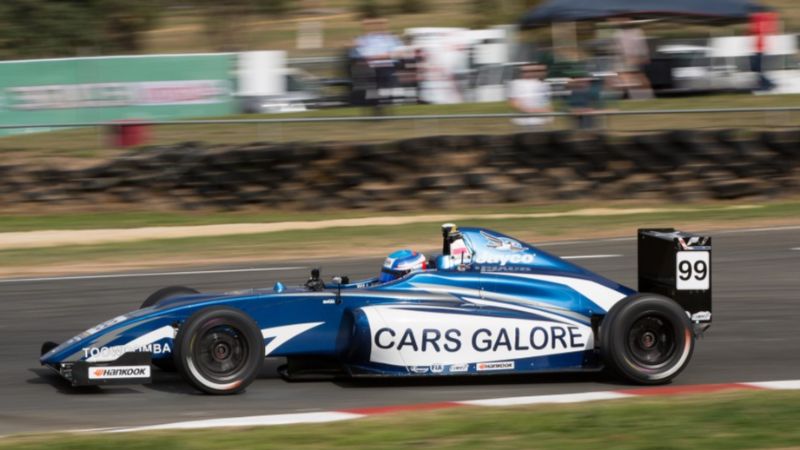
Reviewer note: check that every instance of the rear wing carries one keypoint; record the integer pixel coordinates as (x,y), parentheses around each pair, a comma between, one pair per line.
(677,265)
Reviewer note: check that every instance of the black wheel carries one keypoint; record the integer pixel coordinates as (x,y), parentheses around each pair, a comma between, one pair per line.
(47,346)
(165,293)
(219,350)
(166,364)
(646,339)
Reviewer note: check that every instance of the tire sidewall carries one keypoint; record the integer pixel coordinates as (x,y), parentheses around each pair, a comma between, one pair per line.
(614,333)
(166,364)
(187,337)
(167,292)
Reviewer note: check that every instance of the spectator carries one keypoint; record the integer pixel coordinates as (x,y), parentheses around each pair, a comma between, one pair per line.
(529,94)
(585,99)
(377,47)
(632,55)
(407,74)
(362,79)
(762,25)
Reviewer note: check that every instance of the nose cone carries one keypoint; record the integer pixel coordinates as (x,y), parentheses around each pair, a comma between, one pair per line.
(52,353)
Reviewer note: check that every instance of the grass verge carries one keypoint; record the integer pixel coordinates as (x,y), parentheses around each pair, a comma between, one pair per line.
(143,218)
(366,240)
(737,420)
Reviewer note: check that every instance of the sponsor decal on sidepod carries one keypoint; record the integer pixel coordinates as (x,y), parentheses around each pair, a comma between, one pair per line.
(499,365)
(456,368)
(541,337)
(476,339)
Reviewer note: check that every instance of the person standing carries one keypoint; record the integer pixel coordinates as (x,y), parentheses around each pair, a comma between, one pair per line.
(762,25)
(585,100)
(632,55)
(530,94)
(377,47)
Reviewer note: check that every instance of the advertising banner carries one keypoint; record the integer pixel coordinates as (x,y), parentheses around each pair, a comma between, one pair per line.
(102,89)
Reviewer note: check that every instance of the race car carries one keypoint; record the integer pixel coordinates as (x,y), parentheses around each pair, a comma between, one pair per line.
(489,304)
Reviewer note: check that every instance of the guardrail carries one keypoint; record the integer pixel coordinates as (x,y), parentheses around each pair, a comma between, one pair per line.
(310,60)
(289,120)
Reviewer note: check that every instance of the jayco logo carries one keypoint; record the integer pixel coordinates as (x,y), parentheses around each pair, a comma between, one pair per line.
(506,258)
(506,251)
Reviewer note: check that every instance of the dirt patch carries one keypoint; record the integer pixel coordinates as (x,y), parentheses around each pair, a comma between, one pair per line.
(56,238)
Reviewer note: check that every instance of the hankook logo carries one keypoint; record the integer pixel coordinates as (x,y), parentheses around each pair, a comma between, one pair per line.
(121,372)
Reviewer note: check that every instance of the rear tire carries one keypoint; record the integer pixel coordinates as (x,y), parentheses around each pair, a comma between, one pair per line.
(166,364)
(219,350)
(646,339)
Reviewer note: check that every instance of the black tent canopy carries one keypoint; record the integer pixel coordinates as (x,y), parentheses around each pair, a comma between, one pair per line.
(718,11)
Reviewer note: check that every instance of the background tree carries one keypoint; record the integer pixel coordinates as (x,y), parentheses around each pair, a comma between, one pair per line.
(413,6)
(42,28)
(369,8)
(274,7)
(124,21)
(228,23)
(488,12)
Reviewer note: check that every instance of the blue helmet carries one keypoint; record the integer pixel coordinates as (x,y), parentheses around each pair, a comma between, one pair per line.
(400,263)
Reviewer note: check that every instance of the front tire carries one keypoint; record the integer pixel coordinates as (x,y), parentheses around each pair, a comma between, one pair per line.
(646,339)
(166,364)
(164,293)
(219,350)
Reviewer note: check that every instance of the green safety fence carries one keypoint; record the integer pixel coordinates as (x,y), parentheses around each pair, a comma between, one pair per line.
(102,89)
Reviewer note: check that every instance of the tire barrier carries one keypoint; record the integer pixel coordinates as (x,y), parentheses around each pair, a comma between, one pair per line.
(429,172)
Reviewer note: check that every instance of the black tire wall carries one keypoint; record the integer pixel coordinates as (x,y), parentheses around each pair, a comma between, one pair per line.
(425,172)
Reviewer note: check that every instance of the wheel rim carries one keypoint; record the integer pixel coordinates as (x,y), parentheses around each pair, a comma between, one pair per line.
(220,352)
(651,341)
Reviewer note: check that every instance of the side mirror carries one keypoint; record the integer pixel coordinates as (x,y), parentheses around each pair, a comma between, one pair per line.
(344,279)
(338,281)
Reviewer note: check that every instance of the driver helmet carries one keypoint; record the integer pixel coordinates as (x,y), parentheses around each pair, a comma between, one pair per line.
(400,263)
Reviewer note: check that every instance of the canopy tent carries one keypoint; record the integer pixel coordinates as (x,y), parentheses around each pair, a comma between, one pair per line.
(717,11)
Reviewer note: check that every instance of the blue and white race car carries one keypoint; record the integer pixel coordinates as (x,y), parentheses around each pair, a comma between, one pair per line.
(489,304)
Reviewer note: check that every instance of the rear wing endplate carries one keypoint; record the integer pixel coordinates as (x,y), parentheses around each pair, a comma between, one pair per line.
(677,265)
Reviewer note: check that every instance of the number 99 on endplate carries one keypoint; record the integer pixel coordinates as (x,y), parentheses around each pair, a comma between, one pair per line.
(693,271)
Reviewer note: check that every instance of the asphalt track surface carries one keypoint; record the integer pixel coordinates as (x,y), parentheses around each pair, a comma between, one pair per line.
(755,337)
